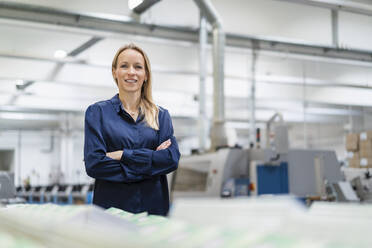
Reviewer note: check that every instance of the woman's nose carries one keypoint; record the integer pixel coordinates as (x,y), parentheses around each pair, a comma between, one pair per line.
(131,70)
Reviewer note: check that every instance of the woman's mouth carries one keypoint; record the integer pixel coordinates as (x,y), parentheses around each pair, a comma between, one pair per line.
(131,80)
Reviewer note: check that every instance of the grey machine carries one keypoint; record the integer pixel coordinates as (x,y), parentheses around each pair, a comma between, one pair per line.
(7,189)
(272,170)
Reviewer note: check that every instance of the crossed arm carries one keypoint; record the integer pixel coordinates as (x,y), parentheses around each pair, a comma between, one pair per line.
(116,155)
(127,165)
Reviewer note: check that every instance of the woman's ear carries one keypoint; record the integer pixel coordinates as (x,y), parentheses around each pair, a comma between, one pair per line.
(113,75)
(146,75)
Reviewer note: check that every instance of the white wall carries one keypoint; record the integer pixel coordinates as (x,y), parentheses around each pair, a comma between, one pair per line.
(31,156)
(319,137)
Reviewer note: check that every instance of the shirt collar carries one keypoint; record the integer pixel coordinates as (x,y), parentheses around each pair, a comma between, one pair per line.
(118,106)
(116,103)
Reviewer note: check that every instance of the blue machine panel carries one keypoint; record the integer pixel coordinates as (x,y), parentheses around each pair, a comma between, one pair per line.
(272,179)
(241,186)
(234,187)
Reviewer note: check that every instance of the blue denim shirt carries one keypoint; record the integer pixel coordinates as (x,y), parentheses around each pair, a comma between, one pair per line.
(137,182)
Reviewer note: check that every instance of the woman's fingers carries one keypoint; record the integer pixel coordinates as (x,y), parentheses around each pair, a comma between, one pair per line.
(164,145)
(115,155)
(161,146)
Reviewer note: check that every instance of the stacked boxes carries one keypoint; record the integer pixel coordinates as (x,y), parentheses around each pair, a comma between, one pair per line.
(365,149)
(359,147)
(352,141)
(354,159)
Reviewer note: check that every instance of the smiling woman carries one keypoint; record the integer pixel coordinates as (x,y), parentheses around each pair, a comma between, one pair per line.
(129,144)
(130,72)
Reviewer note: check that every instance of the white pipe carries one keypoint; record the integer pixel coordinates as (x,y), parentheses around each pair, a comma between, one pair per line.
(218,134)
(268,126)
(203,40)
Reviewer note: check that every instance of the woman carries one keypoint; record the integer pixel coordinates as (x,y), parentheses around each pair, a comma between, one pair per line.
(129,144)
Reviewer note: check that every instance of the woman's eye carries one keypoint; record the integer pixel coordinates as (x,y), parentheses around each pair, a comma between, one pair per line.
(123,66)
(139,67)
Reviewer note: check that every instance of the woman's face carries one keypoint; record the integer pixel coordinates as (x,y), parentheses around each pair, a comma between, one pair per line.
(130,71)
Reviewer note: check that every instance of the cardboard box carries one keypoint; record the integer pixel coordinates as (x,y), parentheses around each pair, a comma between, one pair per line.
(366,162)
(365,148)
(353,155)
(354,163)
(352,140)
(366,135)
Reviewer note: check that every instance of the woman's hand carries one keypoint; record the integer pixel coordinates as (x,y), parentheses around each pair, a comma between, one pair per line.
(115,155)
(164,145)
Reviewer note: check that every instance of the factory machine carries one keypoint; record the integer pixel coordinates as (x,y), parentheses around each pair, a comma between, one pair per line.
(7,189)
(230,172)
(57,193)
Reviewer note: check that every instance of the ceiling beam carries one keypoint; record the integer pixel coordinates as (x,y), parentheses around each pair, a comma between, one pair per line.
(342,5)
(232,103)
(19,109)
(22,87)
(83,47)
(38,14)
(263,78)
(74,53)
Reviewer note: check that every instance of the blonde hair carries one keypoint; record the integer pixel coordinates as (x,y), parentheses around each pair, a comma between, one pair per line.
(147,105)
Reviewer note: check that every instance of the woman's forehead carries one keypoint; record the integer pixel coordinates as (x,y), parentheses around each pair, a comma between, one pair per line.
(131,55)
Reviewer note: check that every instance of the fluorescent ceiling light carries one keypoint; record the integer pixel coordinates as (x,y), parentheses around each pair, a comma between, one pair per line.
(134,3)
(19,82)
(140,6)
(29,116)
(60,54)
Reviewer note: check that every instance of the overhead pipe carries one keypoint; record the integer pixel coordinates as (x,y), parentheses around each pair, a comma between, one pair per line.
(277,116)
(102,25)
(218,133)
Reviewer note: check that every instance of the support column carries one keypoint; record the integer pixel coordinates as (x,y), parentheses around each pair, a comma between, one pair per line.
(203,120)
(304,105)
(67,149)
(252,132)
(335,41)
(18,179)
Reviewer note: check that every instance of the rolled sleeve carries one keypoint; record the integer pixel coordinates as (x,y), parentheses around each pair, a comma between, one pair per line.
(127,155)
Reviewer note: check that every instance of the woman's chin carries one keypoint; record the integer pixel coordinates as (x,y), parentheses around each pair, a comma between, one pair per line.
(131,89)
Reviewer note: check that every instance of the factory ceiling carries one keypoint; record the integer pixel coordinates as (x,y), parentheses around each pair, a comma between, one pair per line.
(55,58)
